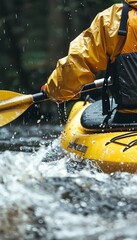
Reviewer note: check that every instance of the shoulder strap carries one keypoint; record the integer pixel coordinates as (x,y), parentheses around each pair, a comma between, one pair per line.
(105,91)
(123,32)
(124,17)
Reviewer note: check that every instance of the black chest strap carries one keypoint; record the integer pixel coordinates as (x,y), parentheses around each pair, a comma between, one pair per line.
(122,32)
(124,17)
(105,91)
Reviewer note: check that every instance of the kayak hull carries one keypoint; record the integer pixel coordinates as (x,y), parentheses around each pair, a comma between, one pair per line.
(110,151)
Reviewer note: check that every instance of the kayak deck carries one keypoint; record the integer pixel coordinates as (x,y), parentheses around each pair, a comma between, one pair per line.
(111,151)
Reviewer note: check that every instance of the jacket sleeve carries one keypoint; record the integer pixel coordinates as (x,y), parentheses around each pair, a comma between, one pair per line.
(87,55)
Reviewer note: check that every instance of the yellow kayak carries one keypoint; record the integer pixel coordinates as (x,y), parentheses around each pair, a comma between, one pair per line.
(112,149)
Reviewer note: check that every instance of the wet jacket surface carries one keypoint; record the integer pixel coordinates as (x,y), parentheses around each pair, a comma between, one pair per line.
(88,54)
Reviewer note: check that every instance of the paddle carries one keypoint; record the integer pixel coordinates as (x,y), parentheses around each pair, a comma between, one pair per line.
(13,104)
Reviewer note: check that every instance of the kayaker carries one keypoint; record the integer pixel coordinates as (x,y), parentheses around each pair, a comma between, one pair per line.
(90,53)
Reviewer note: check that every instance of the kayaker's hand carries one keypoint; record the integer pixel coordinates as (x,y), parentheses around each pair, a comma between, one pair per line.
(43,88)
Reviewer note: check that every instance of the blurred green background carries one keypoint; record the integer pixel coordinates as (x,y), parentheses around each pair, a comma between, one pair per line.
(34,34)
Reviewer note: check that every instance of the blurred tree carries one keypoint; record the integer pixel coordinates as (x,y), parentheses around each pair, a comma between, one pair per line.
(34,34)
(12,40)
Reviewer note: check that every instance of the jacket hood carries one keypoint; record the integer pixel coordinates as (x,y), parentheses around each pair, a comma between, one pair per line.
(132,3)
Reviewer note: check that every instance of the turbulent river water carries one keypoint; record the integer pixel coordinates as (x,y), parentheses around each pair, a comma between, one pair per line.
(48,194)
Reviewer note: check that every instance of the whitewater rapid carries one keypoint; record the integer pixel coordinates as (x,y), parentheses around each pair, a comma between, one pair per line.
(48,194)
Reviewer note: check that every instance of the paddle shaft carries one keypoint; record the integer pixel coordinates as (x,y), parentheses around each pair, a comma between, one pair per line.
(37,97)
(95,85)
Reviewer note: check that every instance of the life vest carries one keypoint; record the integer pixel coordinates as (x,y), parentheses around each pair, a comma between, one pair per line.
(124,70)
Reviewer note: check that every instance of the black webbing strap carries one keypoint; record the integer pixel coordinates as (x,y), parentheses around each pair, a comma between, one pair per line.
(105,91)
(124,17)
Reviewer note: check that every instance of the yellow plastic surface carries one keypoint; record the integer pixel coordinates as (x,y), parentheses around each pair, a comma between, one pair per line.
(92,146)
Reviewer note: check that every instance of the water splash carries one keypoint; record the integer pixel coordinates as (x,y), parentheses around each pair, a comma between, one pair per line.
(48,194)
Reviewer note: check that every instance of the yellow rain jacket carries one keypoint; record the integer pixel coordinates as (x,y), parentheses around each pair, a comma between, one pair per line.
(88,54)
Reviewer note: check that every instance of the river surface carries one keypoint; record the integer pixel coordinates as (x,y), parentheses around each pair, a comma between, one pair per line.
(48,194)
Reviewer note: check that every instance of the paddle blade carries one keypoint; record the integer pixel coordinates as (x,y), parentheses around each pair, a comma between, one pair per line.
(12,105)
